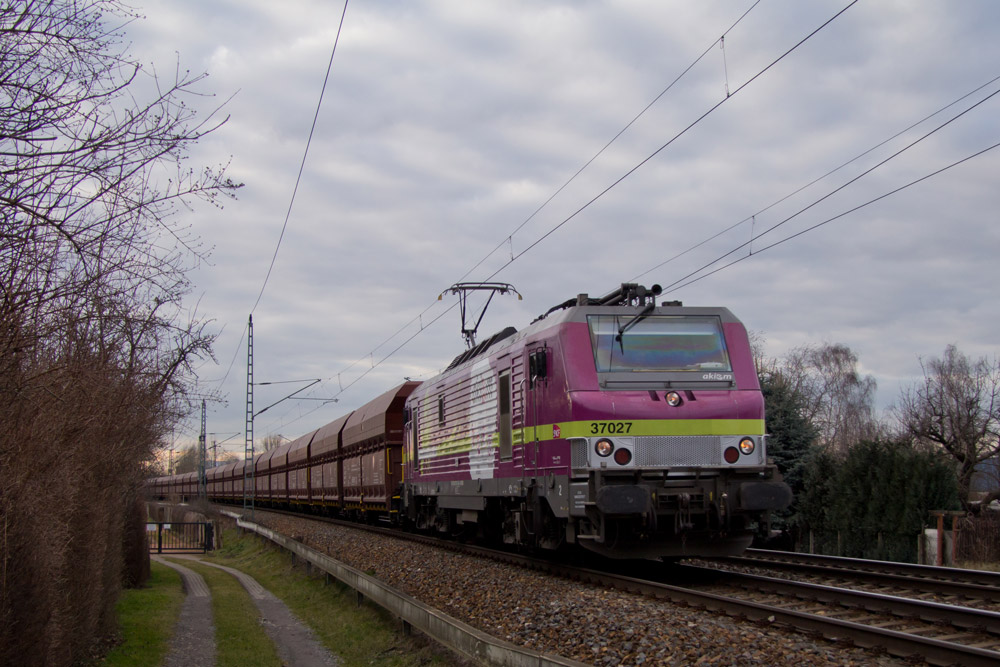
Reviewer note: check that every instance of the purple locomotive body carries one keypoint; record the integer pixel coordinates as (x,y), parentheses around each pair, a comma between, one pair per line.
(628,429)
(612,424)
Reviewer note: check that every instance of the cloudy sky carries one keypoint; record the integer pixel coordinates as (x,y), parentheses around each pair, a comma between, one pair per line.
(446,124)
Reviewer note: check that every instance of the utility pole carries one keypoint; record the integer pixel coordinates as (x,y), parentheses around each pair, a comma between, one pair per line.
(216,444)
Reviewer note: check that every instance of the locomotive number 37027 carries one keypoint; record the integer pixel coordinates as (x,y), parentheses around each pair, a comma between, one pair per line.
(610,428)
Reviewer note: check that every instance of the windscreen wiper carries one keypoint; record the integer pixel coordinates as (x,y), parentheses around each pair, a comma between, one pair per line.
(631,323)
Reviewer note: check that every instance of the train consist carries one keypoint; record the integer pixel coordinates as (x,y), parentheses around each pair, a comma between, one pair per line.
(626,428)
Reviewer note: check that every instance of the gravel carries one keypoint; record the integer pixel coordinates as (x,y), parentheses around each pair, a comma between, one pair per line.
(571,619)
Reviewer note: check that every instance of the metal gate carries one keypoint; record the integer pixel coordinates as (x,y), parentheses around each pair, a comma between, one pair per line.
(178,538)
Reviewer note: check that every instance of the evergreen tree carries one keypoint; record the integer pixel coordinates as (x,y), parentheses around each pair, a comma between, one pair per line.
(820,492)
(874,501)
(791,435)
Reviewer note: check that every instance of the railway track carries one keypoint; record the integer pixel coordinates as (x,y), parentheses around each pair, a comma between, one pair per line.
(900,624)
(942,634)
(947,584)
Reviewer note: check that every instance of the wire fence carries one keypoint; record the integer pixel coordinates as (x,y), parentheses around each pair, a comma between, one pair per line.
(873,545)
(977,539)
(967,540)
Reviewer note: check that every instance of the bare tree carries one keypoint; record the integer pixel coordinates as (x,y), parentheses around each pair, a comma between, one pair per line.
(957,407)
(186,461)
(837,398)
(96,347)
(273,440)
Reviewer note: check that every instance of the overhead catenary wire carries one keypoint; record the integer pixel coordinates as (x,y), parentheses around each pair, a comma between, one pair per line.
(295,189)
(679,284)
(677,136)
(676,284)
(375,364)
(813,182)
(305,154)
(509,238)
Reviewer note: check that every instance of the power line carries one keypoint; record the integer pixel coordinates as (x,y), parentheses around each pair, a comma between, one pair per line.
(305,154)
(295,189)
(672,140)
(613,140)
(373,366)
(813,182)
(677,284)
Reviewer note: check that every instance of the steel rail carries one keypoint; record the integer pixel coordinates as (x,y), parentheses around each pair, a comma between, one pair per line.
(931,612)
(982,577)
(926,578)
(899,643)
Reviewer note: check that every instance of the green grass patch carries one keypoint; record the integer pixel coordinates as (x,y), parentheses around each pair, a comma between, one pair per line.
(147,617)
(977,565)
(240,640)
(360,635)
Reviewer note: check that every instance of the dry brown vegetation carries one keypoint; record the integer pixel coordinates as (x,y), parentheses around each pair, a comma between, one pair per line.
(95,346)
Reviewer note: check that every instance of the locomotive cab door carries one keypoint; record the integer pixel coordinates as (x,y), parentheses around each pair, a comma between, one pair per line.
(410,441)
(534,373)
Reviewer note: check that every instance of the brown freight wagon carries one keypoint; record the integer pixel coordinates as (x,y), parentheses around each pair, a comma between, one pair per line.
(262,475)
(213,481)
(324,465)
(299,482)
(372,452)
(226,492)
(278,472)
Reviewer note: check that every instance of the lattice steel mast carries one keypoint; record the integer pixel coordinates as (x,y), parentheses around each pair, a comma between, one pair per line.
(202,482)
(248,477)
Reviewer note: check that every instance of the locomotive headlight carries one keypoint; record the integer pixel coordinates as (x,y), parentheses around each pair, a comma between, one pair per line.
(747,446)
(604,447)
(673,399)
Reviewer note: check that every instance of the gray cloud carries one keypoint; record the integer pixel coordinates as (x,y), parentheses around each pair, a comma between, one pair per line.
(446,124)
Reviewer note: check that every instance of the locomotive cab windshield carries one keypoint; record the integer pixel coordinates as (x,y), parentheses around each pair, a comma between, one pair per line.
(665,349)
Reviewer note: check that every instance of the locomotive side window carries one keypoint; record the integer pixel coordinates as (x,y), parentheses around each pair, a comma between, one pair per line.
(441,410)
(537,366)
(506,435)
(626,343)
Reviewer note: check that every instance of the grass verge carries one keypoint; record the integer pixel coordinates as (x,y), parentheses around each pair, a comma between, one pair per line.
(147,616)
(360,635)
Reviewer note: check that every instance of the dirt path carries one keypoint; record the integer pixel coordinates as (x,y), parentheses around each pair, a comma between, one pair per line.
(194,639)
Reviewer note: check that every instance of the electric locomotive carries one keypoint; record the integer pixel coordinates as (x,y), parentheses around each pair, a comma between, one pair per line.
(626,428)
(629,429)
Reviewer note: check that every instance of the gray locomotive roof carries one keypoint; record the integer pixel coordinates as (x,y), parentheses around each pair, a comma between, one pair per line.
(509,336)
